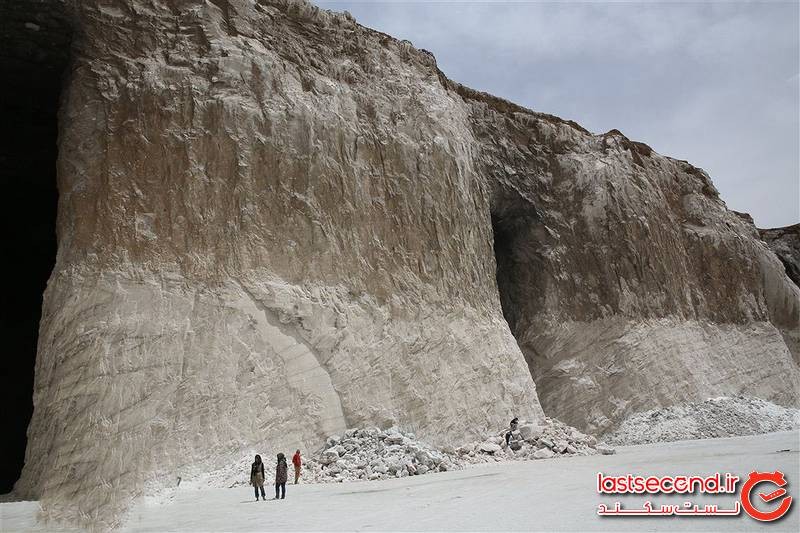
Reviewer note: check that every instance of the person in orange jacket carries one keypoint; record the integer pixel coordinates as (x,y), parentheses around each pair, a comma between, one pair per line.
(297,462)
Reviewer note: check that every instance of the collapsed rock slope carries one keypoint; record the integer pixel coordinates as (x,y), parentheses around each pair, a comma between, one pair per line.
(713,418)
(369,454)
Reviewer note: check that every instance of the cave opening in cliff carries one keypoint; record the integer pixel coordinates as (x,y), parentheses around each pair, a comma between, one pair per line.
(515,225)
(504,257)
(34,50)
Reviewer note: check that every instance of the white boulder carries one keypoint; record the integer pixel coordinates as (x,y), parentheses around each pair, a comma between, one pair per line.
(543,453)
(490,447)
(531,431)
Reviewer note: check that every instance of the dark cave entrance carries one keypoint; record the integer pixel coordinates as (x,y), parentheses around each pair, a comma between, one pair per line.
(516,225)
(504,237)
(34,51)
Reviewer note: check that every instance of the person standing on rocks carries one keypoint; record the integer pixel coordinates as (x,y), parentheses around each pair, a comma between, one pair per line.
(513,428)
(297,462)
(280,477)
(257,477)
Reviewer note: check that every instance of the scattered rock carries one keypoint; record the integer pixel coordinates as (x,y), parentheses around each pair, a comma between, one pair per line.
(490,447)
(715,417)
(368,454)
(543,453)
(372,454)
(394,438)
(530,431)
(606,450)
(328,457)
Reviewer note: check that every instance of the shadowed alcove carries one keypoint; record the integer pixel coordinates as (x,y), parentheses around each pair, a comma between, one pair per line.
(34,50)
(516,226)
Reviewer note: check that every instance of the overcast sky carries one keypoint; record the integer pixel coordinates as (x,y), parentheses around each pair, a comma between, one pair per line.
(714,83)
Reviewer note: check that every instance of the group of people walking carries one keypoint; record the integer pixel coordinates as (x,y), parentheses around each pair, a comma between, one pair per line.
(258,477)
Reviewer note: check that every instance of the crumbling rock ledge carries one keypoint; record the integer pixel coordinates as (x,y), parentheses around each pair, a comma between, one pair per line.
(785,243)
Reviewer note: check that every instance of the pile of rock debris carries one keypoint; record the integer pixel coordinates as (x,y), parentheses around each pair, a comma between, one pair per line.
(372,453)
(713,418)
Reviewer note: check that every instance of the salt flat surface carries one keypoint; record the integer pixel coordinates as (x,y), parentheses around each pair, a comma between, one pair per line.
(550,495)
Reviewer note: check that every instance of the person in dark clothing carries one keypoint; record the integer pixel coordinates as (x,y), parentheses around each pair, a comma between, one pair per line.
(513,428)
(280,477)
(257,477)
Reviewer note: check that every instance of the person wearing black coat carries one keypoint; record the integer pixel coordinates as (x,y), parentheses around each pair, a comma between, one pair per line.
(257,477)
(512,429)
(281,476)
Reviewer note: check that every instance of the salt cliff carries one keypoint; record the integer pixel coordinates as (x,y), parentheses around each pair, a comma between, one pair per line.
(275,224)
(785,242)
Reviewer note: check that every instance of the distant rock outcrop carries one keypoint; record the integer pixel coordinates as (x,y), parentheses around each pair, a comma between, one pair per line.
(785,243)
(626,281)
(275,224)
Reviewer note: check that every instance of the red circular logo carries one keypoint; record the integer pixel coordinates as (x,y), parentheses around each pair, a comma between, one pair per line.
(777,479)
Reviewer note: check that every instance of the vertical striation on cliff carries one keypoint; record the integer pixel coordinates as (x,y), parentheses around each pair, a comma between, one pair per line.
(626,281)
(270,229)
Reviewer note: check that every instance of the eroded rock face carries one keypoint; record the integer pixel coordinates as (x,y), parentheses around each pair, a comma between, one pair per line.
(270,229)
(275,224)
(626,281)
(785,243)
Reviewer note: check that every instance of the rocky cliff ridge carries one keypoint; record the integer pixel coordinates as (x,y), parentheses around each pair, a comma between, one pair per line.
(785,243)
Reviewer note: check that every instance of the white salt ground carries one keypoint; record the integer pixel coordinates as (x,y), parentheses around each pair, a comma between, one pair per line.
(549,495)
